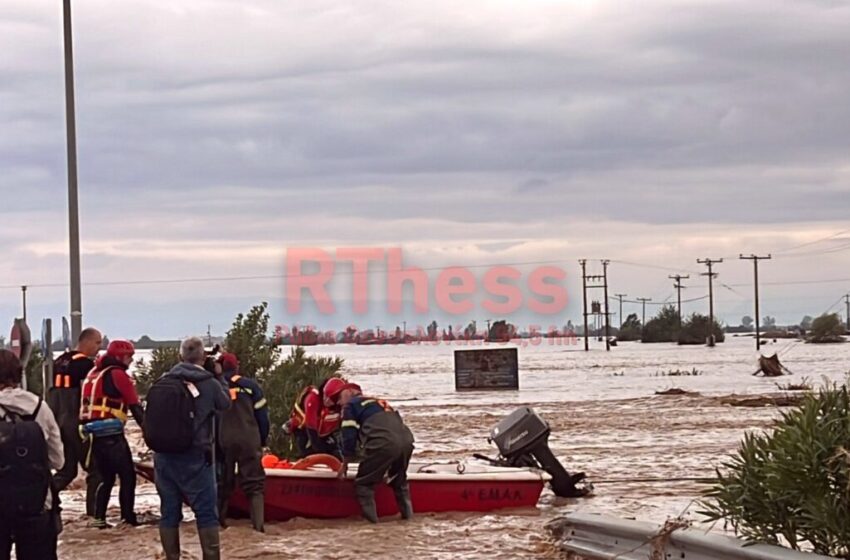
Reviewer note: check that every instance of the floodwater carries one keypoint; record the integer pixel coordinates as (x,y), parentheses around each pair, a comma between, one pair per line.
(606,420)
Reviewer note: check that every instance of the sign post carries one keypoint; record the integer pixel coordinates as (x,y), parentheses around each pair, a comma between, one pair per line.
(47,352)
(21,344)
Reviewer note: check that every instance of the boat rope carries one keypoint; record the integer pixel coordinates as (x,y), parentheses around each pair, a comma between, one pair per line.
(701,480)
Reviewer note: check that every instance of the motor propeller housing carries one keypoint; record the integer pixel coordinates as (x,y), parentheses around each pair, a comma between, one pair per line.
(523,441)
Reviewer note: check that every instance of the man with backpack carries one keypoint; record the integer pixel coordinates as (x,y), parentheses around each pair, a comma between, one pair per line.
(27,503)
(243,433)
(179,418)
(108,396)
(69,371)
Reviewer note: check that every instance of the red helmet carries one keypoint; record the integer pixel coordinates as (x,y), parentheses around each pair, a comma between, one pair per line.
(228,361)
(120,348)
(333,387)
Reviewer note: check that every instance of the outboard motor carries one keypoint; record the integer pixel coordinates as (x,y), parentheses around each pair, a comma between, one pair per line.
(523,441)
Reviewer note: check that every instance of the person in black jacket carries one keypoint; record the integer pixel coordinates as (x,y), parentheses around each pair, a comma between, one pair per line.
(243,433)
(69,371)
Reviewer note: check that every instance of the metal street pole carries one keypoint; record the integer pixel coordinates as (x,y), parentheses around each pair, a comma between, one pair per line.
(73,202)
(24,297)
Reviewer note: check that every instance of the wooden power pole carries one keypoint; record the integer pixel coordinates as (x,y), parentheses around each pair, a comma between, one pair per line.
(643,301)
(620,297)
(756,260)
(709,262)
(678,285)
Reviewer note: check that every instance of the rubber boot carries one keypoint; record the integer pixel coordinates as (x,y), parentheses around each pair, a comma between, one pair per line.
(402,499)
(222,512)
(366,499)
(258,513)
(170,539)
(210,543)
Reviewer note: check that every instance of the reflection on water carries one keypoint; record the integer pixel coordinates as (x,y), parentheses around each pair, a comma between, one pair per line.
(605,420)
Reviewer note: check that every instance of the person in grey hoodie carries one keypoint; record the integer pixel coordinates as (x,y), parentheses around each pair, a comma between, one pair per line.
(192,473)
(34,537)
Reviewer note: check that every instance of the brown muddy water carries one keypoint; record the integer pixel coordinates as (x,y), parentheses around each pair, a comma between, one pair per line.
(605,418)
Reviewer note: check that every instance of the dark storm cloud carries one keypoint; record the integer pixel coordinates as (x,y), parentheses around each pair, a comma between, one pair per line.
(494,123)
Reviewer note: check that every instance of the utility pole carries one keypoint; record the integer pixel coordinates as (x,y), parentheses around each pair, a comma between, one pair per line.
(595,278)
(678,285)
(620,297)
(73,202)
(583,264)
(24,297)
(404,331)
(709,262)
(209,335)
(605,263)
(643,300)
(756,260)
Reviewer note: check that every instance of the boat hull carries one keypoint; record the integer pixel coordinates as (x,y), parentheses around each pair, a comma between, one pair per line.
(317,493)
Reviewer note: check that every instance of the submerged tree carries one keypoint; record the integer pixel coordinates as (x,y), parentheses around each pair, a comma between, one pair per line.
(664,327)
(630,330)
(827,328)
(695,330)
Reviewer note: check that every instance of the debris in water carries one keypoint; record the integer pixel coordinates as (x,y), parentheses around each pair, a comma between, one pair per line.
(676,391)
(770,367)
(762,400)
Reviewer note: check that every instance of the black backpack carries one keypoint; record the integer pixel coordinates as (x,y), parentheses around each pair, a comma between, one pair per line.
(169,416)
(24,467)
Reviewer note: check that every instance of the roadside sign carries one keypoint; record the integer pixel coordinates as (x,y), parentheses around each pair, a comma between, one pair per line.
(491,369)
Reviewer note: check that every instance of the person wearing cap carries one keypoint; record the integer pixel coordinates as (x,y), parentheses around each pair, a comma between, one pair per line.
(108,395)
(386,447)
(243,433)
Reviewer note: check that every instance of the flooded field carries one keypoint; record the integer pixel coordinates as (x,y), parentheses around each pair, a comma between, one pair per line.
(605,417)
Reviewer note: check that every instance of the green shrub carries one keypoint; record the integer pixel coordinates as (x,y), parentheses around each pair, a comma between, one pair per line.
(35,371)
(248,338)
(792,486)
(284,382)
(162,360)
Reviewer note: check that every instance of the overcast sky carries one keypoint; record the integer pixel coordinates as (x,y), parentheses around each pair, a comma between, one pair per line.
(215,134)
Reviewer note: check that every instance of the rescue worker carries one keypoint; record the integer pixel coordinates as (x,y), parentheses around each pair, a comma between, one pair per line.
(63,397)
(314,425)
(108,394)
(27,520)
(386,442)
(243,433)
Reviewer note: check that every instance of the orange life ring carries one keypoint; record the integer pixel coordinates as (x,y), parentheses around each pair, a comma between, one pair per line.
(270,461)
(318,459)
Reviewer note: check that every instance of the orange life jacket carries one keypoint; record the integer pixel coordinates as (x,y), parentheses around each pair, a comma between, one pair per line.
(97,405)
(61,377)
(298,416)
